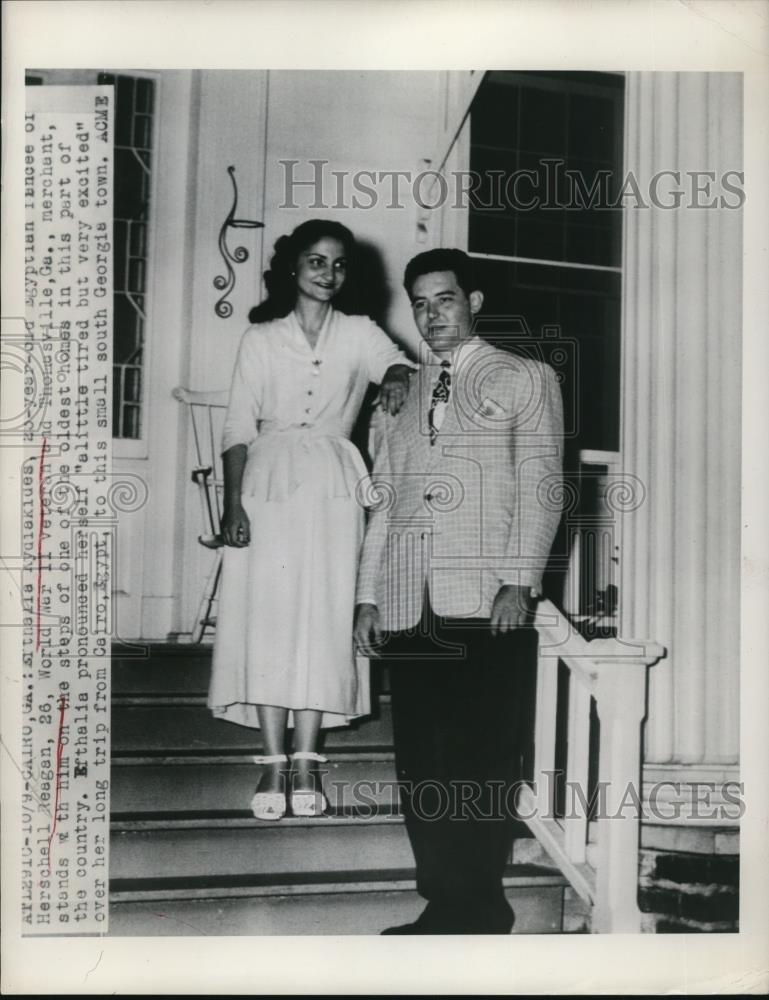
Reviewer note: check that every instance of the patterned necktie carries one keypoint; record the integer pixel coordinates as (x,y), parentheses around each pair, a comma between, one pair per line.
(439,401)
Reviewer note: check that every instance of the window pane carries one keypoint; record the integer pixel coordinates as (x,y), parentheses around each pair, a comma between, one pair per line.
(130,187)
(592,127)
(144,96)
(124,109)
(489,127)
(131,421)
(541,235)
(592,182)
(496,234)
(132,392)
(126,330)
(589,244)
(136,275)
(567,316)
(543,121)
(493,168)
(117,397)
(119,259)
(138,244)
(142,131)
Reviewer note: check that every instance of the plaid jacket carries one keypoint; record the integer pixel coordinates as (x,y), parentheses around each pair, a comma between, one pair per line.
(477,509)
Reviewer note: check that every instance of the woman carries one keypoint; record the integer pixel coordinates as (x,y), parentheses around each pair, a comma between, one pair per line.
(292,526)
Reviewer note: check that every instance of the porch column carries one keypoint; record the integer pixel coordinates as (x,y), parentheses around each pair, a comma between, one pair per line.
(680,563)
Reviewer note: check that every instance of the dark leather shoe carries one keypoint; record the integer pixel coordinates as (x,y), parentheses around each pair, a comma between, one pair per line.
(413,928)
(434,920)
(431,920)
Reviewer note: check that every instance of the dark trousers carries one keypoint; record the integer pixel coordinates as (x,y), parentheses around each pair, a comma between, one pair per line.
(455,720)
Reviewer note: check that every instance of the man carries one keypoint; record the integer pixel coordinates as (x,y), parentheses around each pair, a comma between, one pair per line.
(456,545)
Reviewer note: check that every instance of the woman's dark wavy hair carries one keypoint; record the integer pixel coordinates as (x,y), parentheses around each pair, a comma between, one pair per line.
(280,282)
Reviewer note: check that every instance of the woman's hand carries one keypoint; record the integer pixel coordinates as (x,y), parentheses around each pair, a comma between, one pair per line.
(395,388)
(236,528)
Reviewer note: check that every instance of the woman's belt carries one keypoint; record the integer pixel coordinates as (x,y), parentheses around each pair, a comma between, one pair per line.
(281,460)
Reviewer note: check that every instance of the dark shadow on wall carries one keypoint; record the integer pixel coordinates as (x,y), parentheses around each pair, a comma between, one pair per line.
(372,289)
(372,298)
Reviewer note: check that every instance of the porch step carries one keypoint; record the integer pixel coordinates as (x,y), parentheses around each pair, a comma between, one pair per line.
(169,727)
(239,845)
(143,785)
(186,845)
(162,674)
(181,669)
(346,903)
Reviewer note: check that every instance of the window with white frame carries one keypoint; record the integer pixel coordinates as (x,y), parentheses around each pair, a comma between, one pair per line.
(546,148)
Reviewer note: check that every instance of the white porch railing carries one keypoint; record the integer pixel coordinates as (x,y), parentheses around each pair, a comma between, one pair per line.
(613,672)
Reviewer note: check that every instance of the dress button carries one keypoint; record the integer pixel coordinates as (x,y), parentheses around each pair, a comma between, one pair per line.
(309,392)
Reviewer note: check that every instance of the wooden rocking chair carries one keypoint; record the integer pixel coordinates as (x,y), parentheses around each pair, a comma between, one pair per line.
(207,410)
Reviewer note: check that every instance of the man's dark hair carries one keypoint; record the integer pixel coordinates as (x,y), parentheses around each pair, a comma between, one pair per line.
(442,259)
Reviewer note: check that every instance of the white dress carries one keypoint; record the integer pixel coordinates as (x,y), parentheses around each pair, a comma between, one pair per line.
(285,616)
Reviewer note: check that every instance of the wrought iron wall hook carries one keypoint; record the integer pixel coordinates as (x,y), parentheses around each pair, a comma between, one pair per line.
(226,283)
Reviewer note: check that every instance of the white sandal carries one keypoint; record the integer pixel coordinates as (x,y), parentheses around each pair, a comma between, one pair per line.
(307,803)
(269,805)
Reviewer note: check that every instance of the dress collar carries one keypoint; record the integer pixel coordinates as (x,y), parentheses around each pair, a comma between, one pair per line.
(298,333)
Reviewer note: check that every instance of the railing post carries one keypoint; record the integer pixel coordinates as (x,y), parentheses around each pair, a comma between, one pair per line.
(544,732)
(621,702)
(577,763)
